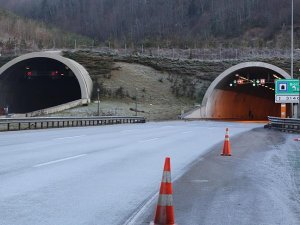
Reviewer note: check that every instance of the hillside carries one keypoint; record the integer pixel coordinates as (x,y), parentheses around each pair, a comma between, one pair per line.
(169,23)
(19,35)
(131,83)
(165,86)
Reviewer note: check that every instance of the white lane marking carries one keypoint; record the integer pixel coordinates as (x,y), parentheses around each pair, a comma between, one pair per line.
(62,138)
(199,181)
(187,132)
(153,139)
(59,160)
(132,219)
(123,131)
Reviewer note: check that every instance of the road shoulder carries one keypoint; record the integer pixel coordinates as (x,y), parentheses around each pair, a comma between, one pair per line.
(257,185)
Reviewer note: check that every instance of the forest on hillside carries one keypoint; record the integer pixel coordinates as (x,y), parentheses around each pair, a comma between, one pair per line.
(181,23)
(19,35)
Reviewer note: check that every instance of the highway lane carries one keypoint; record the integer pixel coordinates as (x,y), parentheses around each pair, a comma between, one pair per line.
(95,175)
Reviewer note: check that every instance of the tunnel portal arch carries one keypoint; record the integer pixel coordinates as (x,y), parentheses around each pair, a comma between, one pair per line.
(223,100)
(25,80)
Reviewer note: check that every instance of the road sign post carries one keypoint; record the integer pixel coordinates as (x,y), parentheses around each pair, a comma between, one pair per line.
(283,110)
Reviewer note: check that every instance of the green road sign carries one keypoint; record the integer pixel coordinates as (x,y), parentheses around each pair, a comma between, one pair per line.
(287,91)
(287,87)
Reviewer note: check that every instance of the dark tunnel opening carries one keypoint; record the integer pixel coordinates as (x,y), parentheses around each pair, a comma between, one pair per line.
(246,94)
(37,83)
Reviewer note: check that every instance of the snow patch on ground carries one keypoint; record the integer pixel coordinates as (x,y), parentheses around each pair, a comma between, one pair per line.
(274,180)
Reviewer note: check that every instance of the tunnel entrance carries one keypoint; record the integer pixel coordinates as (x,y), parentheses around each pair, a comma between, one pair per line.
(37,83)
(245,92)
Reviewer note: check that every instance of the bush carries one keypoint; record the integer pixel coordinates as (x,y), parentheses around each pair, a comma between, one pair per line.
(120,92)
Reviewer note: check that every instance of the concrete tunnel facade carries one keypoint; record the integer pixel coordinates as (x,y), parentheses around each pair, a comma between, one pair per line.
(245,91)
(42,80)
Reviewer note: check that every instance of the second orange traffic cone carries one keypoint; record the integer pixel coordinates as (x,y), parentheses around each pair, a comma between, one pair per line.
(226,147)
(164,214)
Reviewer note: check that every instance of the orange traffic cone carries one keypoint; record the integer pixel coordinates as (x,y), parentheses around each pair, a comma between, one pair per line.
(165,211)
(226,147)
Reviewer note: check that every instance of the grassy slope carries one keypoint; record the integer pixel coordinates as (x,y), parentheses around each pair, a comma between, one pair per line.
(154,98)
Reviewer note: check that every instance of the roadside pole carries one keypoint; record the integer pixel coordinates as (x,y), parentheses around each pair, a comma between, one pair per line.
(294,109)
(136,96)
(98,98)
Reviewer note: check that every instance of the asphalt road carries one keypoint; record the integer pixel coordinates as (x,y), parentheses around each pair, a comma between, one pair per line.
(258,185)
(95,175)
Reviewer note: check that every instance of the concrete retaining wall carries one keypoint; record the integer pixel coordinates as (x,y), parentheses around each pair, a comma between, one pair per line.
(56,108)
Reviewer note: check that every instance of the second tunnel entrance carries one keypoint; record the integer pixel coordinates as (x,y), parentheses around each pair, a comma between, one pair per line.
(244,92)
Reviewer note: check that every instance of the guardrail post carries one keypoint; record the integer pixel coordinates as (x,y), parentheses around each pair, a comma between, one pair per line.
(284,124)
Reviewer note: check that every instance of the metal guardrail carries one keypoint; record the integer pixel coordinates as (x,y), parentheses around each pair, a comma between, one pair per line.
(8,124)
(288,124)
